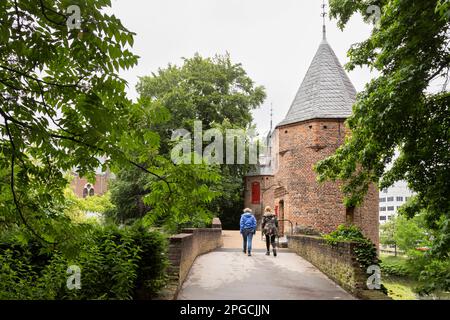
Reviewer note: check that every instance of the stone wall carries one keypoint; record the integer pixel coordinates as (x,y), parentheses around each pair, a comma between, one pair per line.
(338,262)
(184,248)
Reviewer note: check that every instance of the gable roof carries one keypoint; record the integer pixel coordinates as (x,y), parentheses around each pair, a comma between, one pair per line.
(326,91)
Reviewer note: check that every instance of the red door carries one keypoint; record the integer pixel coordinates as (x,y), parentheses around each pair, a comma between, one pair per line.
(256,193)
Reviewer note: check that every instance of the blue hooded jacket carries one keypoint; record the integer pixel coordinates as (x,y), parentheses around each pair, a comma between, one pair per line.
(248,221)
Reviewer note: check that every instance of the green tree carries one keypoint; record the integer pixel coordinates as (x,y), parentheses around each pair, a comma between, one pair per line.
(411,234)
(387,234)
(57,84)
(406,233)
(213,90)
(64,107)
(397,112)
(127,191)
(77,208)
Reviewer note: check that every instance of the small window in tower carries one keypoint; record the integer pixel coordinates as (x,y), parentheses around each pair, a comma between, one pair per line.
(285,131)
(325,127)
(310,127)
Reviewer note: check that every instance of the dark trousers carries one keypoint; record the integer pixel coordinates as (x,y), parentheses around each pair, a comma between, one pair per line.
(270,239)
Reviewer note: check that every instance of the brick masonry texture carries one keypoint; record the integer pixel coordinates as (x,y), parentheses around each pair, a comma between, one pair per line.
(184,248)
(294,186)
(100,185)
(338,262)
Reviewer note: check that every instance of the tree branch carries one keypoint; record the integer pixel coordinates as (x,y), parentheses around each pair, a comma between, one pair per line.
(43,7)
(42,81)
(73,139)
(437,73)
(12,185)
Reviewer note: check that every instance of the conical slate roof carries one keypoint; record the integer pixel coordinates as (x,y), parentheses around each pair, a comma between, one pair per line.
(326,91)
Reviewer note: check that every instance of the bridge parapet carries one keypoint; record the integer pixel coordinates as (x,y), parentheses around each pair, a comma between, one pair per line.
(338,262)
(184,248)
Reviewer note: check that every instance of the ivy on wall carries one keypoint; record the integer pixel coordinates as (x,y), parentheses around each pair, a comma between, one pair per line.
(365,250)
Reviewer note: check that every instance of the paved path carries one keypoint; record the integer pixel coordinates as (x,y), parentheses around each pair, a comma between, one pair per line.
(227,273)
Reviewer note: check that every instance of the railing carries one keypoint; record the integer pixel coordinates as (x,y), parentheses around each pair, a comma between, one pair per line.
(290,222)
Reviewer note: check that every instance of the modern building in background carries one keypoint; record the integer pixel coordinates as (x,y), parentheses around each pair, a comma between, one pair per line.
(392,199)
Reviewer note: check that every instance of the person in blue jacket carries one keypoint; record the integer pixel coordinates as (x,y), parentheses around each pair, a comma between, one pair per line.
(248,229)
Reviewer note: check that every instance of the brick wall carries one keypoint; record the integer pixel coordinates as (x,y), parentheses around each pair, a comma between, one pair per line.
(266,192)
(184,248)
(100,185)
(307,202)
(338,262)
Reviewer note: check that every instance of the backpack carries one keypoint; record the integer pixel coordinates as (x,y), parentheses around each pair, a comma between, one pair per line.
(270,227)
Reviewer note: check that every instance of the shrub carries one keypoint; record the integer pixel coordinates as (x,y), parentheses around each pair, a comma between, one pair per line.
(127,263)
(365,250)
(432,274)
(394,269)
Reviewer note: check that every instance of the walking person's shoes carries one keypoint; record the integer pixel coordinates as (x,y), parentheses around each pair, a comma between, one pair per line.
(249,254)
(274,252)
(268,253)
(244,251)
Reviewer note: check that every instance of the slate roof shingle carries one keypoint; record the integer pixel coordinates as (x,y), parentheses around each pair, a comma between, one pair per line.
(326,91)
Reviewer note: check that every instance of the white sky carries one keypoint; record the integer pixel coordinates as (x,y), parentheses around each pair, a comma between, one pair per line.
(275,40)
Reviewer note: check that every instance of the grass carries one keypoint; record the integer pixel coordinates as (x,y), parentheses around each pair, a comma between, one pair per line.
(391,259)
(399,287)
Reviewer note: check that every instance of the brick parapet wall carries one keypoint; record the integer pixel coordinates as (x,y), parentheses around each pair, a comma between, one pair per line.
(338,262)
(184,248)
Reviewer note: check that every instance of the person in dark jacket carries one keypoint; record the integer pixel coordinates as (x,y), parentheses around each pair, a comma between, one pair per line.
(248,229)
(270,230)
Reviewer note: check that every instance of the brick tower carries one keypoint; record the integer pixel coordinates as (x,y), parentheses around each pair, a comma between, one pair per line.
(312,130)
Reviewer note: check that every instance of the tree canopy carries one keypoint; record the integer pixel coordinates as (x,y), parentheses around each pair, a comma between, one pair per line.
(212,90)
(215,91)
(64,108)
(398,111)
(63,104)
(401,120)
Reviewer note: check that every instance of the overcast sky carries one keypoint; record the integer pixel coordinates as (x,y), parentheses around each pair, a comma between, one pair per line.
(275,40)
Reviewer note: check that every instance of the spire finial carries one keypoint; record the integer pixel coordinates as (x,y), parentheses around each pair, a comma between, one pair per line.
(324,14)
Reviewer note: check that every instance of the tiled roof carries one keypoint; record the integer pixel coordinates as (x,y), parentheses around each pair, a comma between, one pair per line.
(326,91)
